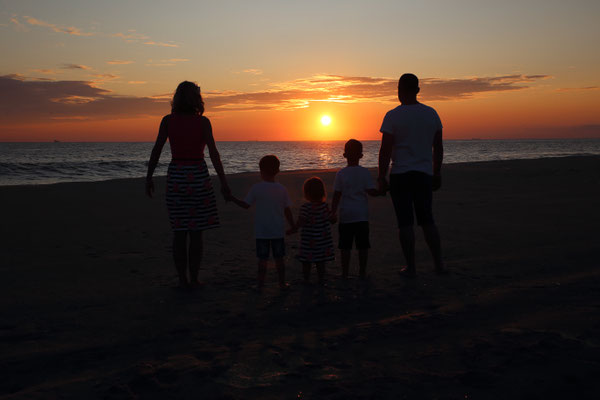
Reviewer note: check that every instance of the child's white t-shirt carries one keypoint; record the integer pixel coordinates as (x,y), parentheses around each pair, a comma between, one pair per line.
(353,182)
(270,199)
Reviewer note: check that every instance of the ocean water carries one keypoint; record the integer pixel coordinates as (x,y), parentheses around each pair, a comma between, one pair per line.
(45,163)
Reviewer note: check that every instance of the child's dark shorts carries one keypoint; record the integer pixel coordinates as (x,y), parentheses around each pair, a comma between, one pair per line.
(263,247)
(410,189)
(357,232)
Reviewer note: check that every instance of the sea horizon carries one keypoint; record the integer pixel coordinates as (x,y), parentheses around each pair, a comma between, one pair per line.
(30,163)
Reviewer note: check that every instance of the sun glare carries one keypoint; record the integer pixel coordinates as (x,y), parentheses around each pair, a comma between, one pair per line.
(325,120)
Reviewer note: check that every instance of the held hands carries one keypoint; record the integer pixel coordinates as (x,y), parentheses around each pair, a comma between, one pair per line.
(382,186)
(226,192)
(333,218)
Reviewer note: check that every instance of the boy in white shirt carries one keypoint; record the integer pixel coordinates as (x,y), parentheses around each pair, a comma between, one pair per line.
(351,186)
(272,205)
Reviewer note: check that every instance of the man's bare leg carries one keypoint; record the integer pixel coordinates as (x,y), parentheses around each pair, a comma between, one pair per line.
(432,237)
(407,242)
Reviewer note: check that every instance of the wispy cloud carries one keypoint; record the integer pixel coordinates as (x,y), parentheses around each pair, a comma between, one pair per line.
(130,36)
(119,62)
(253,71)
(166,63)
(578,89)
(19,26)
(161,44)
(47,71)
(136,82)
(70,30)
(76,66)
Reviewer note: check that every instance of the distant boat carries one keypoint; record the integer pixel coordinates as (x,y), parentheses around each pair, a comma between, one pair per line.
(56,141)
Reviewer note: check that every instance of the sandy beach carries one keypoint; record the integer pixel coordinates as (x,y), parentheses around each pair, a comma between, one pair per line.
(88,309)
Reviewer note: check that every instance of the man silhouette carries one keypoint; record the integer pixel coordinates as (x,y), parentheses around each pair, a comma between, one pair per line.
(412,139)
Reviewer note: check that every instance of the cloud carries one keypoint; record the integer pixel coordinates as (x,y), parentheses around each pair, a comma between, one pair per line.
(45,100)
(46,71)
(300,93)
(166,63)
(131,36)
(253,71)
(119,62)
(75,66)
(19,26)
(70,30)
(136,82)
(578,89)
(38,101)
(162,44)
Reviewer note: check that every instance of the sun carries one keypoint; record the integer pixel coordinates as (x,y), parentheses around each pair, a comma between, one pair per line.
(325,120)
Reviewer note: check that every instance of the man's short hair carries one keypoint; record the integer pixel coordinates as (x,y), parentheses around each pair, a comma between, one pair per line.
(353,146)
(269,164)
(408,83)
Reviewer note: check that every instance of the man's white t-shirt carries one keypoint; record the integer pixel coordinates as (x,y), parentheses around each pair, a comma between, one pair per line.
(353,182)
(413,127)
(270,199)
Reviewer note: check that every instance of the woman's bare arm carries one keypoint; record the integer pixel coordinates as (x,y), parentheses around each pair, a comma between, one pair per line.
(215,158)
(155,155)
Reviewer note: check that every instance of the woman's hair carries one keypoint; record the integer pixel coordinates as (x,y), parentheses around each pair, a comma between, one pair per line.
(314,189)
(187,99)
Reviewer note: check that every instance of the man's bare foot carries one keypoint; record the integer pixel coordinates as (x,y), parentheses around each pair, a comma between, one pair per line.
(408,272)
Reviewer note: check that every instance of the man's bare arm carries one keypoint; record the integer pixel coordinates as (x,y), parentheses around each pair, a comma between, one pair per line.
(438,157)
(385,155)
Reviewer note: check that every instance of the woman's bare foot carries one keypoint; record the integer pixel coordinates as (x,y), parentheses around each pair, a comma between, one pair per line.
(408,272)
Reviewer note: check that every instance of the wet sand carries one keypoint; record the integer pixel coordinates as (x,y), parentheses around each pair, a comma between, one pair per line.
(88,309)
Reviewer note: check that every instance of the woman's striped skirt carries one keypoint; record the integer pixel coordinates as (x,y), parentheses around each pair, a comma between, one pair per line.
(190,197)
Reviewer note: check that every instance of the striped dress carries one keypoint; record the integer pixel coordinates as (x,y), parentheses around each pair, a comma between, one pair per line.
(190,198)
(316,243)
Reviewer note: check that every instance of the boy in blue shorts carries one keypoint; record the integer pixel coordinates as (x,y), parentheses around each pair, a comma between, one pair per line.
(272,206)
(351,186)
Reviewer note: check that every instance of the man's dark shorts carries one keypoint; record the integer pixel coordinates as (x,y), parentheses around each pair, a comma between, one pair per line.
(408,190)
(357,232)
(263,247)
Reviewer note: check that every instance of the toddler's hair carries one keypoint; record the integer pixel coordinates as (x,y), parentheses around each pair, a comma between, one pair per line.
(353,146)
(269,164)
(314,189)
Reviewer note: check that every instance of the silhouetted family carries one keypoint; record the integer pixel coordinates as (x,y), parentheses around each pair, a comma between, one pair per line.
(411,140)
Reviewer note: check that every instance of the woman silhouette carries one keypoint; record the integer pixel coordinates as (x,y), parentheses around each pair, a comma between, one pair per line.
(190,198)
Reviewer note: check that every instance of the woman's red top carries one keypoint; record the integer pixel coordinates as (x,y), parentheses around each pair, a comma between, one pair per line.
(185,136)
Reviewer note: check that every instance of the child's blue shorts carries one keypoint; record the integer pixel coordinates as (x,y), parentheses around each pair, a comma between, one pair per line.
(263,247)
